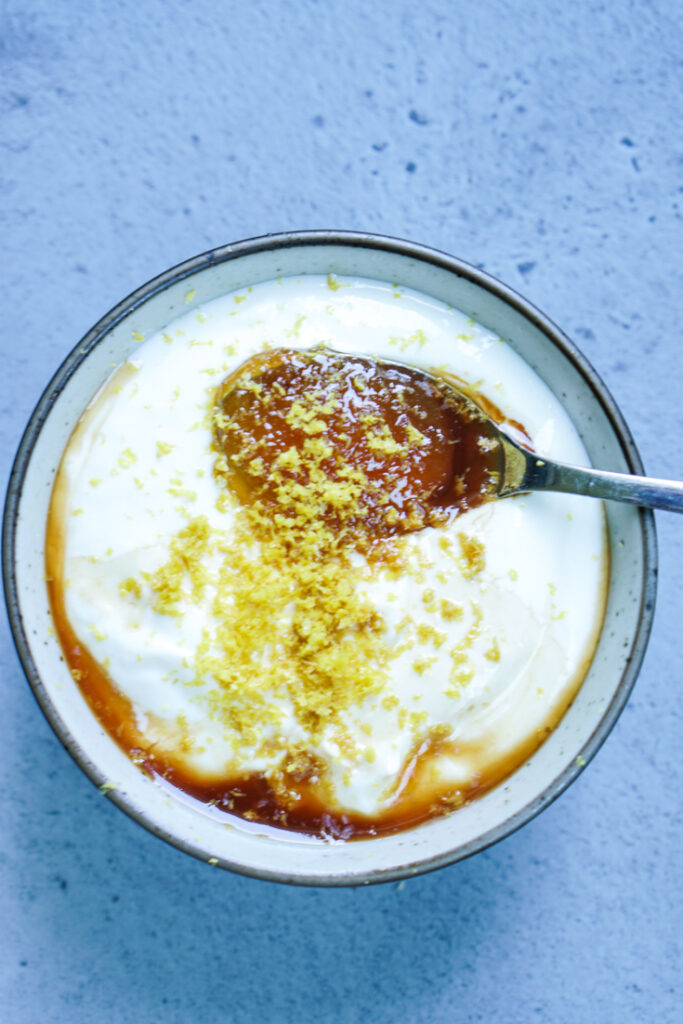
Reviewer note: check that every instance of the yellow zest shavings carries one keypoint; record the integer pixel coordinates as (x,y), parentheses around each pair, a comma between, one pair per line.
(184,566)
(290,630)
(462,670)
(472,560)
(427,634)
(381,442)
(390,702)
(293,332)
(421,665)
(290,626)
(282,627)
(164,448)
(451,612)
(131,586)
(182,492)
(418,337)
(493,653)
(127,458)
(335,285)
(448,802)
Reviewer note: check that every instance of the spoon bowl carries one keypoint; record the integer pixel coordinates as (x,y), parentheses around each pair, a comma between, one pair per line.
(424,445)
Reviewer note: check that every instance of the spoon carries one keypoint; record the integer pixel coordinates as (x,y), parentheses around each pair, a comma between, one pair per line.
(524,470)
(465,455)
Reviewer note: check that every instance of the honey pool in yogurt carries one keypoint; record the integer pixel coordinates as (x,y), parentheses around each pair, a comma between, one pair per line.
(277,580)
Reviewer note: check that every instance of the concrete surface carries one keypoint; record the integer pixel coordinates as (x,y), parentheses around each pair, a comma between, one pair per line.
(541,141)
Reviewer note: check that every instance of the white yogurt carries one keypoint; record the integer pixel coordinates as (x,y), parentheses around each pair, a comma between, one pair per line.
(140,465)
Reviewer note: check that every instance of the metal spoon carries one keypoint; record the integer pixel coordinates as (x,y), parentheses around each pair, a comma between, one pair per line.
(510,468)
(523,470)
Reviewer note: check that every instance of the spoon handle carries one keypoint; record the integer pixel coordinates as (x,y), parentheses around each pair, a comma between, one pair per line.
(543,475)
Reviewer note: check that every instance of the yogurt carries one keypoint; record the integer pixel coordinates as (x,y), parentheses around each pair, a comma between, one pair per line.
(461,648)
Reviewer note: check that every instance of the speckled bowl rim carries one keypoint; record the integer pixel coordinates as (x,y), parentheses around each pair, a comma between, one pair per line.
(424,254)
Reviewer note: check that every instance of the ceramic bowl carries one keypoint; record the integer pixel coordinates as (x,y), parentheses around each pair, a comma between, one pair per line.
(287,857)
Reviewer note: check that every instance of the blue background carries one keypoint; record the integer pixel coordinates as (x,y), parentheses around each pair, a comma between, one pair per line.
(541,141)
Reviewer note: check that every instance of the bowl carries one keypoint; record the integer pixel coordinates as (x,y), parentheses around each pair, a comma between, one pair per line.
(287,857)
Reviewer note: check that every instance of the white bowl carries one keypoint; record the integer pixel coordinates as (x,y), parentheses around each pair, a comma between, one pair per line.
(286,856)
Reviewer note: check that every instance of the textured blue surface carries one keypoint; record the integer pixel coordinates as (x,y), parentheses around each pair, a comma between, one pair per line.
(541,141)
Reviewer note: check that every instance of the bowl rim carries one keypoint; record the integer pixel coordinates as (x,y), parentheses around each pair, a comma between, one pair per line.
(424,254)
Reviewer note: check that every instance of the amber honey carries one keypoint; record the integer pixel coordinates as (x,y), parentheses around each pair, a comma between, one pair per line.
(407,446)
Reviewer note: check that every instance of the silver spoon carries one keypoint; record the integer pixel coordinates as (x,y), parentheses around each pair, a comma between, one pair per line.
(523,470)
(517,469)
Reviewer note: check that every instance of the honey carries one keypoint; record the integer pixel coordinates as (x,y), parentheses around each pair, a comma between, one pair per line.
(383,448)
